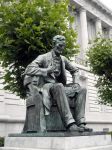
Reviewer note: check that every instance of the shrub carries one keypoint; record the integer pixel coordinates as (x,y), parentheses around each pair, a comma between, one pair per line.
(1,141)
(100,59)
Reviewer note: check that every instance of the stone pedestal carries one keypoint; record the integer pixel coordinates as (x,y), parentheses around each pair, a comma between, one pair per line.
(58,141)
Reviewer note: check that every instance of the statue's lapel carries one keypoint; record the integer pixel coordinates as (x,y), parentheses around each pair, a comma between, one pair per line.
(49,59)
(50,62)
(63,71)
(63,65)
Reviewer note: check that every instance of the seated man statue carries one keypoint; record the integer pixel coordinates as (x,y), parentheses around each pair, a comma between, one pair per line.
(48,74)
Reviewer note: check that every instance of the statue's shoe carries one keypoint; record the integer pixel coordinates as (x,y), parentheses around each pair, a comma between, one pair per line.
(75,128)
(86,129)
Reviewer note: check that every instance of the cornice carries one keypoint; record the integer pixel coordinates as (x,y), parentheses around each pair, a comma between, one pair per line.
(100,4)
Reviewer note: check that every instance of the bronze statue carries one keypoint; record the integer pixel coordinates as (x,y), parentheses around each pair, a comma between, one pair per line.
(45,79)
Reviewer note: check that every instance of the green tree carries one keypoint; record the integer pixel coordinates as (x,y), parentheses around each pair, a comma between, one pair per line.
(100,59)
(26,31)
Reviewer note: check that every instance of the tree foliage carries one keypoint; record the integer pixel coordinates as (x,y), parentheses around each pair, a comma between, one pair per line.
(26,31)
(100,59)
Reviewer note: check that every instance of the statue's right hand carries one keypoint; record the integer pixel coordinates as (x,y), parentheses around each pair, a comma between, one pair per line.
(50,69)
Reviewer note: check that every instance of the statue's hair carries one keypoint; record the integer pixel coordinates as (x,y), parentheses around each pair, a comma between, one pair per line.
(58,38)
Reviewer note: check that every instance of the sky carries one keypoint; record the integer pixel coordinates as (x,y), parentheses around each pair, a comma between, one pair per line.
(108,3)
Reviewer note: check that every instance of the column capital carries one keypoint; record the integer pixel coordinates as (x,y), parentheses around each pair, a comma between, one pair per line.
(82,9)
(98,19)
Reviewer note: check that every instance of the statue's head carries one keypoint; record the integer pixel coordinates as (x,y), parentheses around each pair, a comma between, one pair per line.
(58,44)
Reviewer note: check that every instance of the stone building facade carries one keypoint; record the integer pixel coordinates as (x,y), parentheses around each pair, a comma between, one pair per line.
(91,17)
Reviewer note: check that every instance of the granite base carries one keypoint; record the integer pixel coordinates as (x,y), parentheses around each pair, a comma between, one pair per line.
(58,141)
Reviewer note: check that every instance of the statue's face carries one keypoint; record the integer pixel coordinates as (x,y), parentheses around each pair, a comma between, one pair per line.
(59,47)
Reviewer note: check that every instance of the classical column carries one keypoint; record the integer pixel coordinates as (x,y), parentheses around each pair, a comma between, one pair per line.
(98,26)
(84,32)
(110,32)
